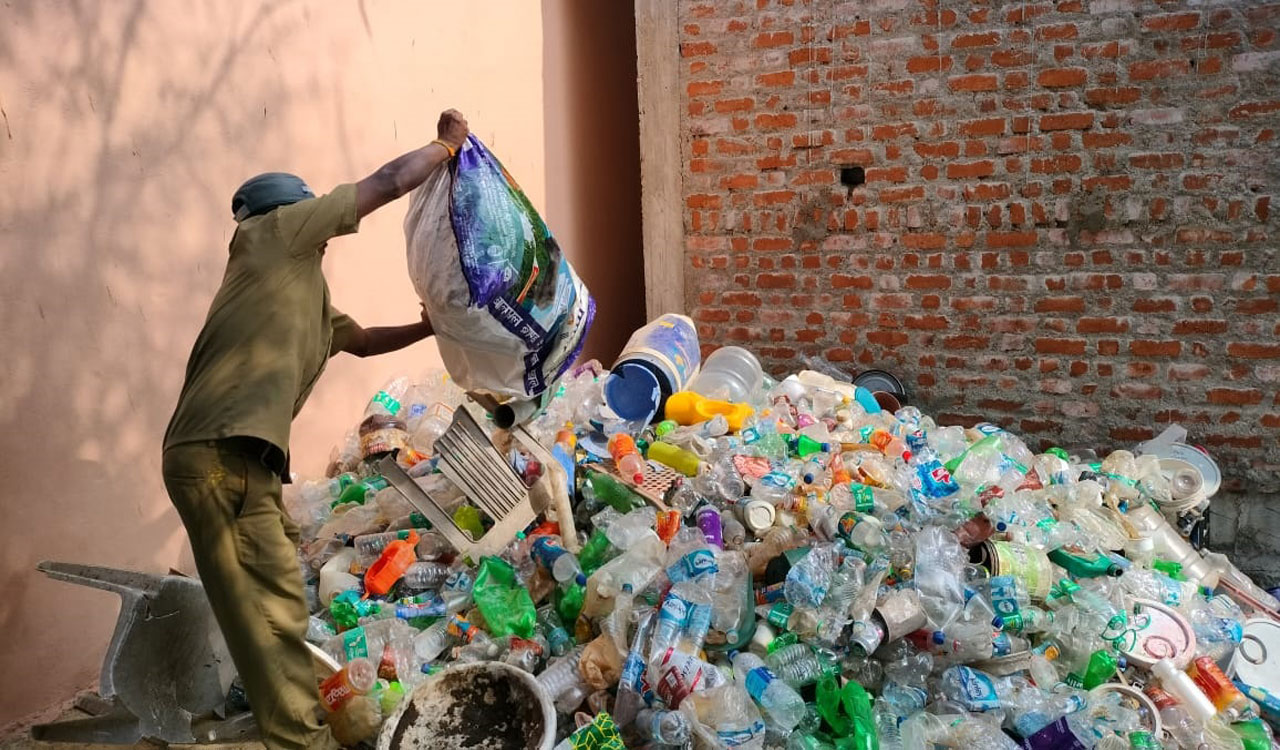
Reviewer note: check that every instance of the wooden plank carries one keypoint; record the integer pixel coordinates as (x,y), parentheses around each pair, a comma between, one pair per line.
(657,84)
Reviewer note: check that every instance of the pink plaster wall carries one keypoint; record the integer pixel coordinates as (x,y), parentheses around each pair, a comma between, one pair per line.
(127,126)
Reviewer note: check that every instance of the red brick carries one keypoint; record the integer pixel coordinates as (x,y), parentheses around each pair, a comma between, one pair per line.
(975,128)
(966,170)
(1253,351)
(928,282)
(945,149)
(929,64)
(809,55)
(1060,304)
(892,195)
(1152,69)
(1065,163)
(1011,239)
(1185,327)
(1056,78)
(1249,109)
(887,338)
(966,342)
(780,78)
(1115,95)
(1233,396)
(1102,325)
(775,39)
(697,49)
(1166,160)
(780,121)
(926,322)
(1067,121)
(705,88)
(1155,348)
(1171,22)
(1057,32)
(976,82)
(1011,58)
(968,41)
(776,280)
(845,281)
(1060,346)
(924,241)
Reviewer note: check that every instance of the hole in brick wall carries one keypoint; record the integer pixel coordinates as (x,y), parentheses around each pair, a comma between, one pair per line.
(852,177)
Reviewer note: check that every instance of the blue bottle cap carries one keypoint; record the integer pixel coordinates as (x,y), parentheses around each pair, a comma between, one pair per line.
(580,579)
(632,391)
(939,637)
(997,622)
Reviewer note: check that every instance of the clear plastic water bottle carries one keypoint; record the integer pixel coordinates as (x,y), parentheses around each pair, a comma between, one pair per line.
(630,698)
(562,675)
(559,642)
(778,699)
(664,727)
(426,575)
(887,726)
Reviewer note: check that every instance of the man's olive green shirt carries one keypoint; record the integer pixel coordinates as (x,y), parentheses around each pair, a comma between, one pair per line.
(270,329)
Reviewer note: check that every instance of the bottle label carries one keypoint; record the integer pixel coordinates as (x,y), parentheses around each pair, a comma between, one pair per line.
(680,675)
(632,671)
(979,690)
(675,611)
(741,737)
(864,500)
(770,594)
(1004,595)
(779,615)
(354,644)
(1001,645)
(757,680)
(778,479)
(386,401)
(546,551)
(693,566)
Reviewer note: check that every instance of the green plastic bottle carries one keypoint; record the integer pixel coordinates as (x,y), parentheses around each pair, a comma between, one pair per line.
(1101,668)
(1253,734)
(805,446)
(596,552)
(857,704)
(504,602)
(359,492)
(612,492)
(1084,564)
(1169,568)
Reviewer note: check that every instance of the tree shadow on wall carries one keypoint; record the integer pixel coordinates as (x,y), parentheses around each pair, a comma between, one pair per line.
(114,238)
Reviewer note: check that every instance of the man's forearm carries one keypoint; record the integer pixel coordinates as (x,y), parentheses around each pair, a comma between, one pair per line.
(393,338)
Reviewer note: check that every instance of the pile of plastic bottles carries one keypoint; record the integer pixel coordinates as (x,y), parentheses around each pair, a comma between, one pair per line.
(793,567)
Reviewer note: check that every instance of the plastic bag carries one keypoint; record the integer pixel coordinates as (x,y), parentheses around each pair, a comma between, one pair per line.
(505,604)
(509,313)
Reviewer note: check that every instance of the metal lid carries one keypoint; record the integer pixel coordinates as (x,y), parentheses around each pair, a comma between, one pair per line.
(1257,658)
(880,380)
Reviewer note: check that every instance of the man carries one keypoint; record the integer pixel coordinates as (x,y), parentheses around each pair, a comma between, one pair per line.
(265,342)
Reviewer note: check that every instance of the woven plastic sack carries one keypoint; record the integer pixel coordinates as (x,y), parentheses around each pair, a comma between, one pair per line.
(509,313)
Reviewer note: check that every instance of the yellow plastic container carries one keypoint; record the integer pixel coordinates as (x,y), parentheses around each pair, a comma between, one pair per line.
(687,407)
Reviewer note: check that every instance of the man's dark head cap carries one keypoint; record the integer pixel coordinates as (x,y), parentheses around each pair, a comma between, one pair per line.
(267,191)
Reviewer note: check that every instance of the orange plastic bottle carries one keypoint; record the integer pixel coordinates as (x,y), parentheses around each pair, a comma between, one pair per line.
(627,457)
(1214,683)
(391,564)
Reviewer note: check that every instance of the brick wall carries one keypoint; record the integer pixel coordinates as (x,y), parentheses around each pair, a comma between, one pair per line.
(1066,224)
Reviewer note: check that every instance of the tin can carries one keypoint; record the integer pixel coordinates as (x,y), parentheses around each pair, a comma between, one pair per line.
(1029,565)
